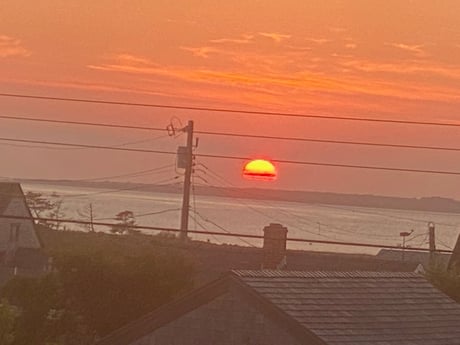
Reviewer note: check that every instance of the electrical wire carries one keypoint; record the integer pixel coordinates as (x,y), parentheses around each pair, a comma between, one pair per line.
(99,147)
(274,218)
(230,111)
(81,123)
(229,234)
(329,141)
(207,220)
(240,158)
(131,174)
(302,220)
(338,165)
(146,214)
(242,135)
(158,183)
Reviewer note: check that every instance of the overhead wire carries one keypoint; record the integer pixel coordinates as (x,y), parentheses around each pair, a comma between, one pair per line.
(112,191)
(302,220)
(229,111)
(230,234)
(131,174)
(240,158)
(244,135)
(274,218)
(207,220)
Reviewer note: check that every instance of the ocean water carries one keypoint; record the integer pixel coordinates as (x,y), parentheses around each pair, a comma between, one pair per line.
(248,216)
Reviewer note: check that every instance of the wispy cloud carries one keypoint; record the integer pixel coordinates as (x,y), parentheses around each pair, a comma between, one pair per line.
(10,46)
(202,52)
(275,36)
(318,40)
(416,49)
(243,39)
(271,79)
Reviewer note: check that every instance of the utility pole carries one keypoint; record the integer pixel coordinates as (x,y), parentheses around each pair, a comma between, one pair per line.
(91,217)
(432,240)
(187,179)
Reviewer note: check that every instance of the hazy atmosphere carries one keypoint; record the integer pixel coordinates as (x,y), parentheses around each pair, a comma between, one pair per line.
(247,172)
(382,60)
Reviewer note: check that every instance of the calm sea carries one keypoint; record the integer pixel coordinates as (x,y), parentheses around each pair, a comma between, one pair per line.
(309,221)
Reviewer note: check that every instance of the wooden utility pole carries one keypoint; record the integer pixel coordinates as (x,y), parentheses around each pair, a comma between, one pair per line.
(432,240)
(91,217)
(187,179)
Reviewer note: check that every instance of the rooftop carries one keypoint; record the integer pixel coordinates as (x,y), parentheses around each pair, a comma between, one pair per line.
(327,308)
(344,308)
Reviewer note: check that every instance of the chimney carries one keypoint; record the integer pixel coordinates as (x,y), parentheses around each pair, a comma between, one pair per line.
(274,249)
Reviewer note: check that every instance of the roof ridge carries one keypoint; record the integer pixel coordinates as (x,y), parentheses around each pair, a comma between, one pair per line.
(322,274)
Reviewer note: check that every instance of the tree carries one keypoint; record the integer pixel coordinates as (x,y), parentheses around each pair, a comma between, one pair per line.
(8,315)
(125,224)
(57,214)
(38,203)
(44,207)
(92,295)
(87,214)
(44,314)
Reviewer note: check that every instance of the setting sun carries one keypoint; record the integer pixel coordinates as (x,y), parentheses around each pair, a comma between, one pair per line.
(260,169)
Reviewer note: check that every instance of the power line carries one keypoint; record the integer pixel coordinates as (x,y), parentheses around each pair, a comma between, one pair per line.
(146,214)
(229,234)
(302,220)
(131,174)
(163,182)
(330,141)
(323,164)
(100,147)
(82,123)
(207,220)
(231,111)
(243,135)
(338,165)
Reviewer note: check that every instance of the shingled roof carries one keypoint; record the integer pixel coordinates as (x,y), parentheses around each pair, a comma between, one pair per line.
(329,308)
(361,308)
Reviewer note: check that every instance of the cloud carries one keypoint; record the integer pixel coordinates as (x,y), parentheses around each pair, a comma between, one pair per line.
(243,39)
(318,40)
(415,68)
(10,46)
(271,78)
(416,49)
(338,29)
(350,45)
(277,37)
(202,52)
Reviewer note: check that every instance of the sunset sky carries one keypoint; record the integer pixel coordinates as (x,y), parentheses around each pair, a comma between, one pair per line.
(397,59)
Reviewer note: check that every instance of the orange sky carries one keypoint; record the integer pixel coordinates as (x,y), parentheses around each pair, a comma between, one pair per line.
(394,59)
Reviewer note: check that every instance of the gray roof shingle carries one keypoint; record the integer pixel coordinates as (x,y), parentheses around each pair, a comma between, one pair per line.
(361,308)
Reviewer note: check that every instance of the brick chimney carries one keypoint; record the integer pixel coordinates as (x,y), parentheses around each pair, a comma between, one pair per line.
(274,250)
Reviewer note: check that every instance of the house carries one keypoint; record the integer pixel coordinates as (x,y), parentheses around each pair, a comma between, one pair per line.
(20,247)
(423,258)
(294,307)
(455,257)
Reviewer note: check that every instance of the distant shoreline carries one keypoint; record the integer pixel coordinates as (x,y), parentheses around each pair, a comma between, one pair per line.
(429,204)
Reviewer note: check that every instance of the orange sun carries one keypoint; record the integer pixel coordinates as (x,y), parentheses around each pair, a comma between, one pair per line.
(260,169)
